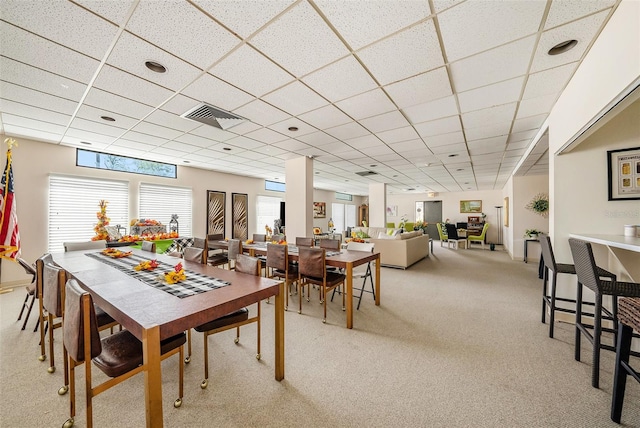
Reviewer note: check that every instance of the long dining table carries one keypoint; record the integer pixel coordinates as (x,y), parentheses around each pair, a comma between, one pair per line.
(344,259)
(154,313)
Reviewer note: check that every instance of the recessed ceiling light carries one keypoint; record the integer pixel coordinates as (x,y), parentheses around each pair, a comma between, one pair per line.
(373,166)
(453,155)
(186,161)
(317,172)
(107,118)
(293,128)
(460,169)
(155,66)
(394,176)
(226,148)
(563,47)
(427,164)
(85,143)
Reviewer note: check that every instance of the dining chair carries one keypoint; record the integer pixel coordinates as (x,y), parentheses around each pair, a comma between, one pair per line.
(589,276)
(193,254)
(330,244)
(245,265)
(478,238)
(149,246)
(312,269)
(453,238)
(51,281)
(259,237)
(214,256)
(31,289)
(278,267)
(234,250)
(442,234)
(361,271)
(119,356)
(628,320)
(84,245)
(302,241)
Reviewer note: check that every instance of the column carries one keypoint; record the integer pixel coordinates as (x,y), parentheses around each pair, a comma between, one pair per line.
(299,197)
(377,204)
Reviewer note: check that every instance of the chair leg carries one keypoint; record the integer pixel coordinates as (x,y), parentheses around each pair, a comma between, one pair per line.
(26,318)
(24,305)
(623,349)
(597,338)
(545,280)
(578,322)
(258,355)
(72,394)
(552,313)
(324,302)
(205,382)
(52,364)
(178,401)
(43,355)
(187,359)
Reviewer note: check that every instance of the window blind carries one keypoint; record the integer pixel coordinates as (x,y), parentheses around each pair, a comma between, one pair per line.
(74,202)
(267,210)
(160,202)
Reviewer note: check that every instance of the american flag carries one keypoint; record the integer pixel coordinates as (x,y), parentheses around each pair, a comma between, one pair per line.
(9,235)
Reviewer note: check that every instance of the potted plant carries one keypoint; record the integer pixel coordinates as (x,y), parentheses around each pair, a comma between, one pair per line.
(532,233)
(539,204)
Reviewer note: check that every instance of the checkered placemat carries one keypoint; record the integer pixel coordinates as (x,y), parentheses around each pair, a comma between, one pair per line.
(179,244)
(194,284)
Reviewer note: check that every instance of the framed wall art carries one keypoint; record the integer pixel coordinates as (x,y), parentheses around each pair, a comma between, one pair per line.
(240,216)
(470,206)
(319,210)
(215,212)
(624,174)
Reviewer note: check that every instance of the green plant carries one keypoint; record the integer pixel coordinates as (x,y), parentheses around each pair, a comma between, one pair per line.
(529,233)
(539,204)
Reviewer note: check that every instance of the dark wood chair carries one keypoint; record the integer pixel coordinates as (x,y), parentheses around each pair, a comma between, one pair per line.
(32,294)
(312,269)
(628,320)
(118,356)
(243,264)
(302,241)
(149,246)
(279,267)
(587,272)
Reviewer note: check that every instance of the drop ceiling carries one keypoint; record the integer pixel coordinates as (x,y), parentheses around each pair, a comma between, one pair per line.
(438,95)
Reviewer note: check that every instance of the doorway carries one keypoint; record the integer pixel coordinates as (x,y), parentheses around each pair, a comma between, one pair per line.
(431,212)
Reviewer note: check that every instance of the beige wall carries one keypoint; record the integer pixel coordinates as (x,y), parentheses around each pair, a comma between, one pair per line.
(524,189)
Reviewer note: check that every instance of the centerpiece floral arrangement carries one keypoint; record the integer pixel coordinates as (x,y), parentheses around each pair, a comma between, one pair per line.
(176,275)
(420,225)
(268,230)
(103,220)
(146,265)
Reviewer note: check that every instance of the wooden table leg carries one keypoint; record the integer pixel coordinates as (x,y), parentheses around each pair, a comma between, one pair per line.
(279,333)
(349,292)
(152,377)
(378,281)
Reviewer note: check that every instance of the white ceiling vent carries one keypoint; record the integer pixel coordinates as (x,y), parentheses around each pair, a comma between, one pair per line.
(214,116)
(366,173)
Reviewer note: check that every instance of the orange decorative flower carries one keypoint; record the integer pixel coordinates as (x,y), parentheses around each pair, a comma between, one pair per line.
(146,265)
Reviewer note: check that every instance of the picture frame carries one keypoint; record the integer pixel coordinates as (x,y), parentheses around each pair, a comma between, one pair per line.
(623,167)
(239,216)
(319,210)
(506,211)
(392,211)
(473,206)
(216,212)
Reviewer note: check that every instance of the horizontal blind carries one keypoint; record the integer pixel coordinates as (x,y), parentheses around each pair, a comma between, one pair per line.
(267,211)
(160,202)
(74,203)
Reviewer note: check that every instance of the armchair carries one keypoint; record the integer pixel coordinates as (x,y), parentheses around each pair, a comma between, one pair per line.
(442,234)
(479,238)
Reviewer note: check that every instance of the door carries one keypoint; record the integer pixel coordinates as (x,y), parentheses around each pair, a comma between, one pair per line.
(433,215)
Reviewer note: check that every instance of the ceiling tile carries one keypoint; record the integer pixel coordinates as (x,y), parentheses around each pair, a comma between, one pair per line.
(217,93)
(300,41)
(157,130)
(405,54)
(261,113)
(265,135)
(439,126)
(583,31)
(502,63)
(245,17)
(181,147)
(528,123)
(34,134)
(291,145)
(195,140)
(366,105)
(364,142)
(33,98)
(52,20)
(361,23)
(33,50)
(89,136)
(32,123)
(317,139)
(562,12)
(97,127)
(173,18)
(420,89)
(444,139)
(492,95)
(551,81)
(180,104)
(144,138)
(535,106)
(161,117)
(23,110)
(295,98)
(130,54)
(473,26)
(126,85)
(115,12)
(348,130)
(492,130)
(325,117)
(248,69)
(94,114)
(283,128)
(384,122)
(340,80)
(398,135)
(213,133)
(488,116)
(432,110)
(114,103)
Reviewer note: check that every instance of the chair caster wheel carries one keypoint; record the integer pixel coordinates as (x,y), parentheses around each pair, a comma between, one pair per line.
(258,356)
(63,390)
(299,312)
(68,423)
(51,369)
(324,321)
(286,308)
(204,384)
(344,309)
(42,357)
(177,403)
(187,360)
(236,340)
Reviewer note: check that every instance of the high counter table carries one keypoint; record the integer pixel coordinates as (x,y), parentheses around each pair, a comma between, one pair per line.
(624,249)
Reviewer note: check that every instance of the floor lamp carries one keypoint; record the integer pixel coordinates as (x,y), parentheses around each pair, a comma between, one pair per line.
(499,214)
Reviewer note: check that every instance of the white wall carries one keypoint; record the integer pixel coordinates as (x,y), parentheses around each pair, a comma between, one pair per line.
(524,189)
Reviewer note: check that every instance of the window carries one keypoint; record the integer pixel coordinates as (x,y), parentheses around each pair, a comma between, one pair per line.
(73,204)
(160,202)
(267,210)
(344,196)
(98,160)
(274,185)
(343,216)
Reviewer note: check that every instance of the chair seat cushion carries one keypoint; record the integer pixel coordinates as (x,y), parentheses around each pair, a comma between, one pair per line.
(232,318)
(217,259)
(333,279)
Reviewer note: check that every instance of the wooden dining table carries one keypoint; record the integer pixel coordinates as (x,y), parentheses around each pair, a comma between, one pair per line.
(153,314)
(344,259)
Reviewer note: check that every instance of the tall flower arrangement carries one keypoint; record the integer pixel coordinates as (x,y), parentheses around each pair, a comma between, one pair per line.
(103,220)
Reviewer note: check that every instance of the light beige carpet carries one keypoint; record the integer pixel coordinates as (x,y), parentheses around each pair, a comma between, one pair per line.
(457,342)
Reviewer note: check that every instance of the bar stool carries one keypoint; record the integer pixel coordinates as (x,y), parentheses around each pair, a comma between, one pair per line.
(628,320)
(588,275)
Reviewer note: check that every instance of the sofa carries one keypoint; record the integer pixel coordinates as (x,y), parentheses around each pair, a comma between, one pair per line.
(397,249)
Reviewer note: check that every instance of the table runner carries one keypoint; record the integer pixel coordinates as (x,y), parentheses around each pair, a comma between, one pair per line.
(194,284)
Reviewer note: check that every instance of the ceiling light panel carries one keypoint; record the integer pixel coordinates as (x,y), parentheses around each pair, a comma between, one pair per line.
(295,99)
(30,49)
(432,110)
(366,104)
(173,18)
(582,31)
(342,79)
(126,85)
(473,27)
(498,64)
(300,30)
(361,23)
(405,54)
(421,88)
(492,95)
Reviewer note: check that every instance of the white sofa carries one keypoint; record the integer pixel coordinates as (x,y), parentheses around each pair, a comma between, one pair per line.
(399,250)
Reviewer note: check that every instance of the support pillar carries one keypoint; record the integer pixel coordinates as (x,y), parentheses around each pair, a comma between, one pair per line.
(299,198)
